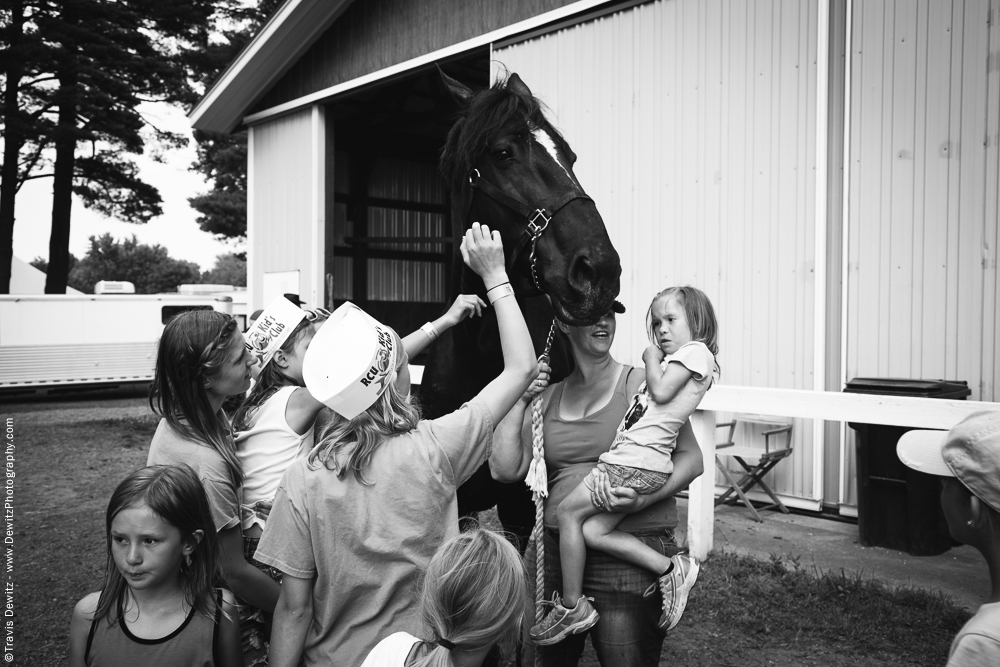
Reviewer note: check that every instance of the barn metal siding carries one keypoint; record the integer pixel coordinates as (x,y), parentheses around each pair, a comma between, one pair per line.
(694,121)
(286,214)
(376,34)
(923,213)
(923,232)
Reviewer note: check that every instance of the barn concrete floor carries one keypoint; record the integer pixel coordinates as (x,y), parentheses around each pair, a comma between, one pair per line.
(959,573)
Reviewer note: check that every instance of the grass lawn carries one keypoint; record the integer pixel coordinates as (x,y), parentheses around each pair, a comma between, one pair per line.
(71,455)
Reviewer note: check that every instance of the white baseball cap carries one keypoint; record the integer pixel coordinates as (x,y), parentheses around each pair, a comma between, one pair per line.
(270,331)
(350,361)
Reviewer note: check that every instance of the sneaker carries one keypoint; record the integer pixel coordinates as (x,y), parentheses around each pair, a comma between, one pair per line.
(561,622)
(675,586)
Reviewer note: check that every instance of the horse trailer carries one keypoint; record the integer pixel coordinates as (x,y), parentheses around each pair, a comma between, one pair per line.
(55,340)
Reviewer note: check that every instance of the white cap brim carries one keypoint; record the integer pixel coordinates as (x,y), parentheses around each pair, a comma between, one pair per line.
(922,451)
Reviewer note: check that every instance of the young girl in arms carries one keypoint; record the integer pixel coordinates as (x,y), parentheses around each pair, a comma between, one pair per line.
(680,367)
(475,596)
(158,607)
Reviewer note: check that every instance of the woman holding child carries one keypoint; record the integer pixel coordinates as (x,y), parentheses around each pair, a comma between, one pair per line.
(581,415)
(354,525)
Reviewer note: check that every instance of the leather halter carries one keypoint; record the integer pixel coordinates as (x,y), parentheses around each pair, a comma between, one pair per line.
(538,218)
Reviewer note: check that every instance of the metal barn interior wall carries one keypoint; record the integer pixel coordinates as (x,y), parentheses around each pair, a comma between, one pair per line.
(286,203)
(694,122)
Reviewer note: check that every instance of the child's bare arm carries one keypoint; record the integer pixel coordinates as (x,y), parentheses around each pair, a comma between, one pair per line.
(79,629)
(230,652)
(663,385)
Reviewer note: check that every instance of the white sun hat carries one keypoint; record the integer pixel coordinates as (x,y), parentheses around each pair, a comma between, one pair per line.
(350,361)
(270,331)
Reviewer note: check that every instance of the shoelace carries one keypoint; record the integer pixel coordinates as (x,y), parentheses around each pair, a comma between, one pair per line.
(549,619)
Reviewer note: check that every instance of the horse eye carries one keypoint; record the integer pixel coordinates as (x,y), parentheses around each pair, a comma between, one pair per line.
(503,155)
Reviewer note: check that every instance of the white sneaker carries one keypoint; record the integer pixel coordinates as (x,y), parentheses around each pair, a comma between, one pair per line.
(675,586)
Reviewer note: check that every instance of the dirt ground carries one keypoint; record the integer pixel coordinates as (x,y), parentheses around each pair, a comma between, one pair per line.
(70,454)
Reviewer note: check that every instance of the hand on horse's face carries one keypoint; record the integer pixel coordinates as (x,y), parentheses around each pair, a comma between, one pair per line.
(482,252)
(466,305)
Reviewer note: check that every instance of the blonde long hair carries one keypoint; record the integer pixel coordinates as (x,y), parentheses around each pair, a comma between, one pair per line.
(475,595)
(391,414)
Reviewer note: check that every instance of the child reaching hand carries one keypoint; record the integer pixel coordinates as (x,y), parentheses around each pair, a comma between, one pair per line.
(158,606)
(274,425)
(680,367)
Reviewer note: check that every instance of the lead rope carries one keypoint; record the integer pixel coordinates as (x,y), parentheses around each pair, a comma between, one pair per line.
(538,481)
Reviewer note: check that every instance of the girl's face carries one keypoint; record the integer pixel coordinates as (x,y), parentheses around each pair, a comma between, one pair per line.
(596,339)
(669,324)
(147,550)
(233,376)
(297,354)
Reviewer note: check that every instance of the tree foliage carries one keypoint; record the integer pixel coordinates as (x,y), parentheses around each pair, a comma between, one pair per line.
(229,269)
(222,158)
(76,74)
(149,267)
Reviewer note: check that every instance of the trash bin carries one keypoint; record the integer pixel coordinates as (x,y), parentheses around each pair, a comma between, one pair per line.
(898,507)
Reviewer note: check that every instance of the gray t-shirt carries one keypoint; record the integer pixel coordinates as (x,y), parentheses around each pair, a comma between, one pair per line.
(169,447)
(367,546)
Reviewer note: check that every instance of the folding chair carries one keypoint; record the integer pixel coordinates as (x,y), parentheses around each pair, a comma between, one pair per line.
(767,458)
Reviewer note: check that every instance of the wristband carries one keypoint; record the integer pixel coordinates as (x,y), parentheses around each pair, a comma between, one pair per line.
(496,286)
(502,296)
(429,329)
(504,290)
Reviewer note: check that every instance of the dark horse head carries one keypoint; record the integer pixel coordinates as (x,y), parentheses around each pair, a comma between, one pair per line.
(508,167)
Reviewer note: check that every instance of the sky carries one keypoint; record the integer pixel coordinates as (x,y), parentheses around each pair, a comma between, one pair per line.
(176,229)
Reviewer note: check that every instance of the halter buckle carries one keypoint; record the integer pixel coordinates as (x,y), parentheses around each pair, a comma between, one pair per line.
(535,229)
(474,177)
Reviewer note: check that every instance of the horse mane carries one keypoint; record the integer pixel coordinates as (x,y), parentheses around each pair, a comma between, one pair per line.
(502,109)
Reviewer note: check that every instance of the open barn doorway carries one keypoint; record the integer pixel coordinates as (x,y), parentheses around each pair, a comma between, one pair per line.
(389,240)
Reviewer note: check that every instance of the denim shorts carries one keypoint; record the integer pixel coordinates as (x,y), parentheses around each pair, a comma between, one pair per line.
(643,481)
(627,634)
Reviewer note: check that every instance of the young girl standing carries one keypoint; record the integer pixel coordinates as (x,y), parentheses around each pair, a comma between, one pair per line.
(158,606)
(202,360)
(680,367)
(355,524)
(274,425)
(475,597)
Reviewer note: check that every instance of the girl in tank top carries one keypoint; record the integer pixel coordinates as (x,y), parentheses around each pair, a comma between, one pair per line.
(158,606)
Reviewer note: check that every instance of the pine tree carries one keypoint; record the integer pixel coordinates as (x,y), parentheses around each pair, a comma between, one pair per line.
(98,63)
(222,158)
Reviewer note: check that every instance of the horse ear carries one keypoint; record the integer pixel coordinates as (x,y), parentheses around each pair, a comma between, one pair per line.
(515,84)
(459,91)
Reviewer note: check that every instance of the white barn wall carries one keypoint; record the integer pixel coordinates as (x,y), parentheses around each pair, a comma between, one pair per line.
(694,121)
(923,187)
(923,213)
(286,205)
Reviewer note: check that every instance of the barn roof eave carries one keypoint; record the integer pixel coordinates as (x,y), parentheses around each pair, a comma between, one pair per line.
(262,62)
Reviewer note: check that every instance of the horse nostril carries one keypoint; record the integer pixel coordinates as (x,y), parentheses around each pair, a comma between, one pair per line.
(582,273)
